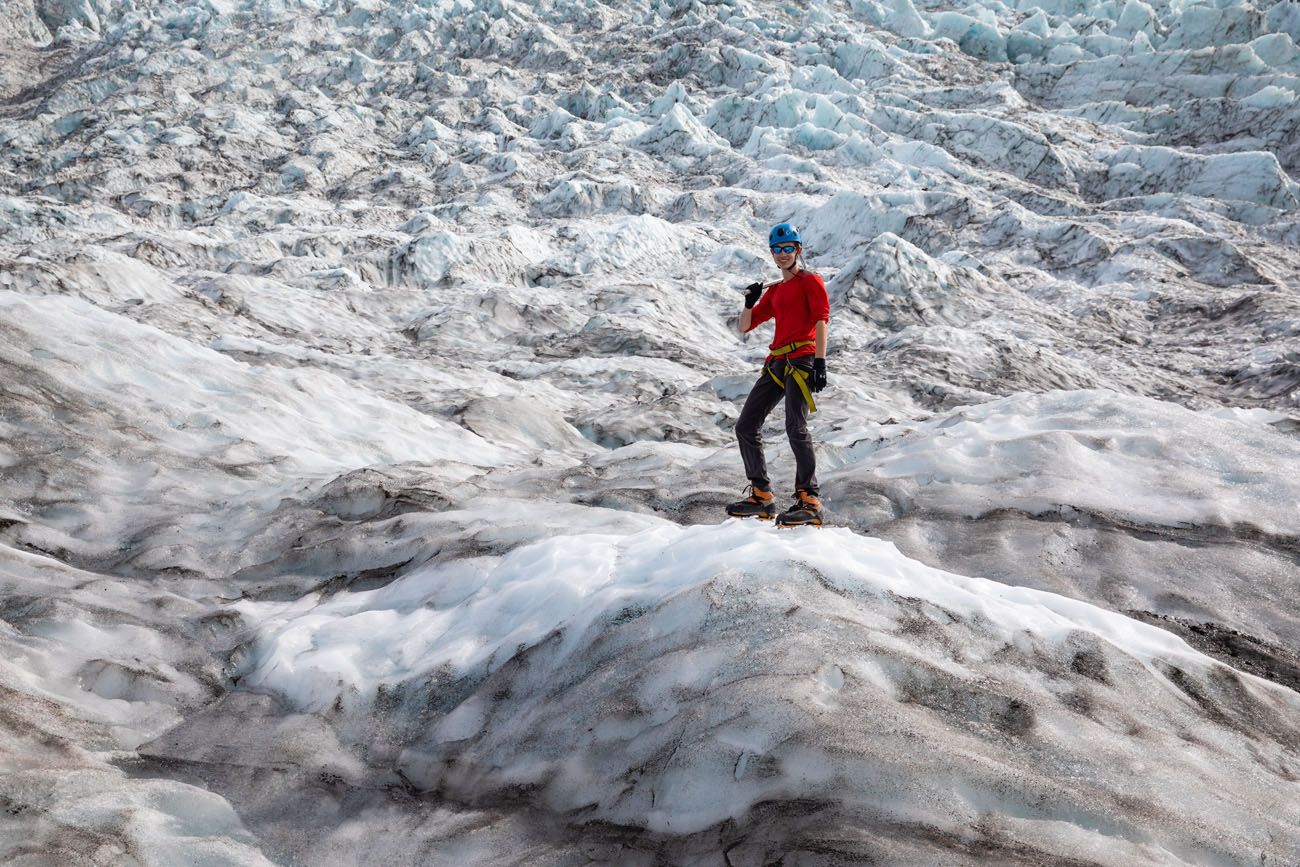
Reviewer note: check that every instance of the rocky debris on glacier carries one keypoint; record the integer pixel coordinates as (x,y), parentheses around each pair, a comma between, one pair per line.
(319,316)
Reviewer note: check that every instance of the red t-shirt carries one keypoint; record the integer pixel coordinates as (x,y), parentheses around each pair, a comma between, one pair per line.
(798,304)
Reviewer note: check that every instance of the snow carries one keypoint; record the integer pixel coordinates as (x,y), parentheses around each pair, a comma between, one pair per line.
(370,373)
(469,617)
(1040,452)
(1271,96)
(570,598)
(207,403)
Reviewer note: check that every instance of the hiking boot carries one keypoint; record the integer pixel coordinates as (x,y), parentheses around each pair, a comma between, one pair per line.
(807,509)
(759,504)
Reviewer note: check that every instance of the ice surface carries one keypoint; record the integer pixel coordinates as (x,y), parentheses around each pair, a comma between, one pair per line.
(368,380)
(1038,453)
(580,677)
(471,616)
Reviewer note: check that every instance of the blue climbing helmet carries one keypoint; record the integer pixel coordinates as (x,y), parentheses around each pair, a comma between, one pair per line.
(783,233)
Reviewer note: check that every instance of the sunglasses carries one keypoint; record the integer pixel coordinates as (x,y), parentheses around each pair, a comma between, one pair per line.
(784,248)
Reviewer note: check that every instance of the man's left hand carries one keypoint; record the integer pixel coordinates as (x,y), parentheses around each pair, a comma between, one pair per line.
(819,374)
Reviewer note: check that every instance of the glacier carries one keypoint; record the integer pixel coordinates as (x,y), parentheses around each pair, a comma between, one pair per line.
(369,377)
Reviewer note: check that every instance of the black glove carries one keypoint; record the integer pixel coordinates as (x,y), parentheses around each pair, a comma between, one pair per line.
(753,292)
(819,374)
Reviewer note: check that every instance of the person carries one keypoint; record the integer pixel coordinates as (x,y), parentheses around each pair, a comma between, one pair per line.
(794,370)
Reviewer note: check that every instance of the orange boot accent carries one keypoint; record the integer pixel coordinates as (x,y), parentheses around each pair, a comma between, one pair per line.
(807,509)
(759,504)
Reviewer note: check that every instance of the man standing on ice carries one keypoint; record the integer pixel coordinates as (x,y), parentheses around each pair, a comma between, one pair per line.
(794,370)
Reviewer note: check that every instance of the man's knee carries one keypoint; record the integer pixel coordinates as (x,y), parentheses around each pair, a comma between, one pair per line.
(796,427)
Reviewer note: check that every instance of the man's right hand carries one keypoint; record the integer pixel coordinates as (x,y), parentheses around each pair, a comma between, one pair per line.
(753,292)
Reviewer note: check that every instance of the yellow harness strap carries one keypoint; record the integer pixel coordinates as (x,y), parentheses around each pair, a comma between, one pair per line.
(789,347)
(800,377)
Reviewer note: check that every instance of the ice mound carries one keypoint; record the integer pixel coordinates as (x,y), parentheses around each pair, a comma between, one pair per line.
(87,675)
(679,132)
(19,21)
(895,284)
(204,403)
(1094,451)
(1128,500)
(678,679)
(1253,177)
(101,816)
(148,426)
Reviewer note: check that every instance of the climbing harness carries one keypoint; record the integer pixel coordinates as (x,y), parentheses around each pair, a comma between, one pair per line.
(800,376)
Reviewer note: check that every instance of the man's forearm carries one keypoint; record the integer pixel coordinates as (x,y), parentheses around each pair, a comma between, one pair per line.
(746,317)
(820,339)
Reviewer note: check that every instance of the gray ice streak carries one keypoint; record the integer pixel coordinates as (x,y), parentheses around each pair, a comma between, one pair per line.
(367,383)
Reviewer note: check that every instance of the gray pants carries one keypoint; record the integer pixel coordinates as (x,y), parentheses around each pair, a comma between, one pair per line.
(763,398)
